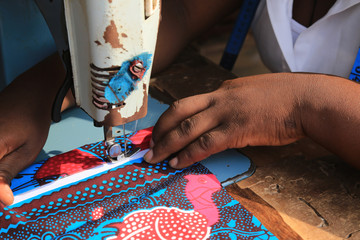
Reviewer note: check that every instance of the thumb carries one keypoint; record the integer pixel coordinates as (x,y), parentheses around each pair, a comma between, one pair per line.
(10,165)
(6,195)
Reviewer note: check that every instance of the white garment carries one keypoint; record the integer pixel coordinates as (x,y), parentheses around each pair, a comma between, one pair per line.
(328,46)
(296,29)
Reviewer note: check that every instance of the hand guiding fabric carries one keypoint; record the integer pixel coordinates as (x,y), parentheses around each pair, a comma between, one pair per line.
(248,111)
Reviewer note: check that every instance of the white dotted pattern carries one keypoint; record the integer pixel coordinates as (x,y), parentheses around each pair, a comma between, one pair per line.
(164,223)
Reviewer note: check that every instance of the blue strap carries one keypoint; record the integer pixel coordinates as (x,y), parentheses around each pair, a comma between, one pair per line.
(242,25)
(355,72)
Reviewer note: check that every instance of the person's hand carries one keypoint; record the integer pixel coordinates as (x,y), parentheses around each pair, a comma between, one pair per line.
(23,132)
(251,111)
(25,107)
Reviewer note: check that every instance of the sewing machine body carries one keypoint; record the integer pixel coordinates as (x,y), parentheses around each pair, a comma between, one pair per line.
(112,44)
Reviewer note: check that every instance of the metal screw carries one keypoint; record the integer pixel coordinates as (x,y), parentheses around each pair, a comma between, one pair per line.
(114,150)
(138,67)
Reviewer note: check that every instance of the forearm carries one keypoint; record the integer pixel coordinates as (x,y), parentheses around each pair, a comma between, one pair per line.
(330,113)
(36,88)
(182,21)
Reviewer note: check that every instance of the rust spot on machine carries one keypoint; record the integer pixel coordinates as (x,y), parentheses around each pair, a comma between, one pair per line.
(111,36)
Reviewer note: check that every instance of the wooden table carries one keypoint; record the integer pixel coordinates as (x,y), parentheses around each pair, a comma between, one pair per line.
(299,191)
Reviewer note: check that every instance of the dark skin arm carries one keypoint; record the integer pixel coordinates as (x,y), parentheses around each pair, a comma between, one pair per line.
(25,107)
(271,109)
(184,20)
(274,109)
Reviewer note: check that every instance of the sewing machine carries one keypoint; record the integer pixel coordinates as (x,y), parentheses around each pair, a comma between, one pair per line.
(110,45)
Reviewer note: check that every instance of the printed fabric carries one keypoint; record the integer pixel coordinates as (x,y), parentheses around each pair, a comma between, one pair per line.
(135,200)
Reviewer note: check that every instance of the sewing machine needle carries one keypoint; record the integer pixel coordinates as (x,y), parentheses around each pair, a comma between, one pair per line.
(125,139)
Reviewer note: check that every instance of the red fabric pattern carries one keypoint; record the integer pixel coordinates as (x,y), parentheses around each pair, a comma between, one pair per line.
(68,163)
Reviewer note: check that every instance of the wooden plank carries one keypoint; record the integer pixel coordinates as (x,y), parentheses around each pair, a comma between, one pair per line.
(267,215)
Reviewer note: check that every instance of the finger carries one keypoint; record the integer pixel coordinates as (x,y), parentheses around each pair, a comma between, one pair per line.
(207,144)
(178,111)
(182,135)
(10,166)
(6,195)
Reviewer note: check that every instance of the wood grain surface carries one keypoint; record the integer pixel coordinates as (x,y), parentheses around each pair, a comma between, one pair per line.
(267,215)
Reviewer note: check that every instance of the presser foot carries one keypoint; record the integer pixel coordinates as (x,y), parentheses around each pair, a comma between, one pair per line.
(129,153)
(114,155)
(114,150)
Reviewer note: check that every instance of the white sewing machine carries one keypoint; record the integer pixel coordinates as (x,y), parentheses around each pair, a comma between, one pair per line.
(112,44)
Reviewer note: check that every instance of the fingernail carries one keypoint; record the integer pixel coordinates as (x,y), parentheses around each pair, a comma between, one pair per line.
(7,196)
(152,144)
(148,156)
(173,162)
